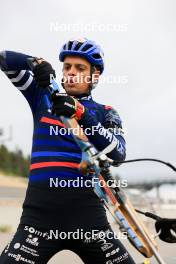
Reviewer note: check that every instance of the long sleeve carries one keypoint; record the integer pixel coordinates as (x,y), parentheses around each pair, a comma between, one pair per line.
(16,68)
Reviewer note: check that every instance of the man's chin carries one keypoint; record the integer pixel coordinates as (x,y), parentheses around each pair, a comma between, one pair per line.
(72,90)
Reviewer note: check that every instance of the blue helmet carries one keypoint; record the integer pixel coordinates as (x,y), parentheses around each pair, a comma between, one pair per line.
(84,48)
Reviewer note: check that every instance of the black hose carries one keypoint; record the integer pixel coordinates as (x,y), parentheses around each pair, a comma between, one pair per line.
(117,163)
(148,214)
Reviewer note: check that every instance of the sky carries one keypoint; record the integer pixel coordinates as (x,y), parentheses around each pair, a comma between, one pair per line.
(138,38)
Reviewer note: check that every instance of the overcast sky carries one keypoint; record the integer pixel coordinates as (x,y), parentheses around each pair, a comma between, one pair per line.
(139,42)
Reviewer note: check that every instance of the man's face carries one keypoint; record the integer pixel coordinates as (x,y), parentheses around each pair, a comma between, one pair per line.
(76,75)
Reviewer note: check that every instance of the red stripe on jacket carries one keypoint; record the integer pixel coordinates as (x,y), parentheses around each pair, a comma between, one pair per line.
(51,121)
(54,164)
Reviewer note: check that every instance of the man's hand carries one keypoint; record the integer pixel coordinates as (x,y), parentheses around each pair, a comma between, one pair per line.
(43,73)
(66,105)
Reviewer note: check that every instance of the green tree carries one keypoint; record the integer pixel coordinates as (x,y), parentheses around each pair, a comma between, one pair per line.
(14,162)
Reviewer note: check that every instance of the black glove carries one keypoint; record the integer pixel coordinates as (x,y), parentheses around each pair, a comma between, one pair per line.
(167,229)
(43,74)
(66,105)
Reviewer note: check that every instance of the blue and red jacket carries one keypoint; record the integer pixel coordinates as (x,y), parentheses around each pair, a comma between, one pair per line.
(56,154)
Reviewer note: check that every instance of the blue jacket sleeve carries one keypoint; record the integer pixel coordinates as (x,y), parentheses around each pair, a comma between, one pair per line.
(16,68)
(107,135)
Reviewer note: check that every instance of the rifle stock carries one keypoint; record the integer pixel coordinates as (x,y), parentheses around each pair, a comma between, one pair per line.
(141,236)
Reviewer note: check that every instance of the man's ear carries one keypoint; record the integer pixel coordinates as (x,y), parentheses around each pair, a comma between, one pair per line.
(95,76)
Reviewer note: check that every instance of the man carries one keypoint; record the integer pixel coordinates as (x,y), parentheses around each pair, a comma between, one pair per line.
(56,156)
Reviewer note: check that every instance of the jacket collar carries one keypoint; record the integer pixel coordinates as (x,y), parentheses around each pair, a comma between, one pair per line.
(84,97)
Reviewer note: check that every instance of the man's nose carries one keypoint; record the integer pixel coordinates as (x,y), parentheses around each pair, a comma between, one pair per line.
(72,71)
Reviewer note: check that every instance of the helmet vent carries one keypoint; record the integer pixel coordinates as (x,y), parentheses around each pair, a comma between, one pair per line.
(78,46)
(70,45)
(96,56)
(86,47)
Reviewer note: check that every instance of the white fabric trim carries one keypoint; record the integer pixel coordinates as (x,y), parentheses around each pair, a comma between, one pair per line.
(10,72)
(19,77)
(27,84)
(110,147)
